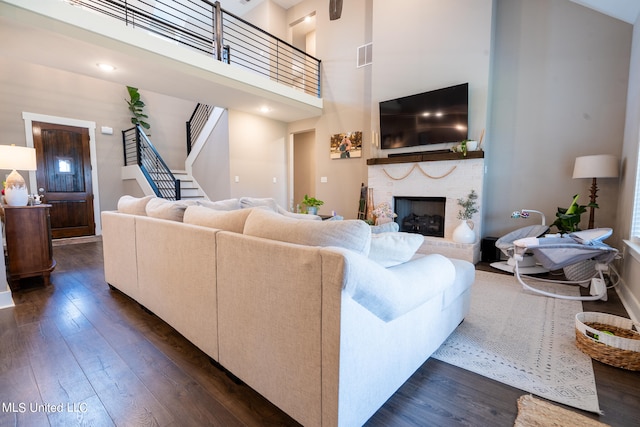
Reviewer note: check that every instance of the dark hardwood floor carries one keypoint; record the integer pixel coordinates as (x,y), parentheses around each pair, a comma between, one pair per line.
(78,353)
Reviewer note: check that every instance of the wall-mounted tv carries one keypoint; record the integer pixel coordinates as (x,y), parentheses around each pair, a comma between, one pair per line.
(427,118)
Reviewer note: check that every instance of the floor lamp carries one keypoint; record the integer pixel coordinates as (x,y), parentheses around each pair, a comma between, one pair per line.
(598,166)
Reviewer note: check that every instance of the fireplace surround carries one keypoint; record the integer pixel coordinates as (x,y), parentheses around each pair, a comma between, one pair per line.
(449,177)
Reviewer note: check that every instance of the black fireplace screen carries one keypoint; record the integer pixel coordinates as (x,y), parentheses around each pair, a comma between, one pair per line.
(421,215)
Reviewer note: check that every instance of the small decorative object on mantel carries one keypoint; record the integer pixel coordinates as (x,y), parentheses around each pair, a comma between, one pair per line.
(464,233)
(312,204)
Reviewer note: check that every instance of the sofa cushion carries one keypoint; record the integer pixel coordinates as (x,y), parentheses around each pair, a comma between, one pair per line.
(354,235)
(221,205)
(133,205)
(393,248)
(167,209)
(212,218)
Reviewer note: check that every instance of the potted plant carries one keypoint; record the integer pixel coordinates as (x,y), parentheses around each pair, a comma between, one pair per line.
(568,220)
(312,204)
(464,233)
(136,107)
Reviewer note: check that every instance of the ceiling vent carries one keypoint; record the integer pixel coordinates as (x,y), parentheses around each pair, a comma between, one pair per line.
(364,55)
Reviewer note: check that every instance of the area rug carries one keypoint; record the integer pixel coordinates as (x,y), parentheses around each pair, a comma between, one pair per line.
(524,340)
(533,412)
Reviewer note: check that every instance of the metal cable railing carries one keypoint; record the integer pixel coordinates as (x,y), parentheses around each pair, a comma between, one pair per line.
(196,123)
(198,24)
(138,150)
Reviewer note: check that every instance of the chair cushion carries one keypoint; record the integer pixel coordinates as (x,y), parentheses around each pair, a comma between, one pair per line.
(354,235)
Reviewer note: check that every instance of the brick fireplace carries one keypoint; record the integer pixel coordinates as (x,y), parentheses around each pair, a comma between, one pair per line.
(431,176)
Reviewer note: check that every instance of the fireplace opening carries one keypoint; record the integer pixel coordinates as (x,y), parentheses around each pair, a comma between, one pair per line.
(421,215)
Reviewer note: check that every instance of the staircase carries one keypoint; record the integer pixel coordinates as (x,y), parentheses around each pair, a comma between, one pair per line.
(143,163)
(189,188)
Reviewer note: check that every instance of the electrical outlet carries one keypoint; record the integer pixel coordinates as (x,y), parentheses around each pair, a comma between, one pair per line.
(237,178)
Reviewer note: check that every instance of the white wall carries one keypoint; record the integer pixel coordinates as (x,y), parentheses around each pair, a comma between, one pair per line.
(257,155)
(559,85)
(36,89)
(630,265)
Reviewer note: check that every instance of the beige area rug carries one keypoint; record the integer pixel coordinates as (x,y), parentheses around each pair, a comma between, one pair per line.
(524,340)
(534,412)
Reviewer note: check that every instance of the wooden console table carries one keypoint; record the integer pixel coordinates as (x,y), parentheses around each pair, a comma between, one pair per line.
(29,248)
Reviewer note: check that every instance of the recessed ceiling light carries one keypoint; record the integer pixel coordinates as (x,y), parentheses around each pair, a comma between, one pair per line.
(265,109)
(106,67)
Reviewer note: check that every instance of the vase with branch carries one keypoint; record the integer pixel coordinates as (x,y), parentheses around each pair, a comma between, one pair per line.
(464,232)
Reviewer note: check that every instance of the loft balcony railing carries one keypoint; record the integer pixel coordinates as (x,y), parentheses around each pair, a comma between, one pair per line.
(205,27)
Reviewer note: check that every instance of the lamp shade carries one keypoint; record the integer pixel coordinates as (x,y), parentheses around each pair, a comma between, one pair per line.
(598,166)
(17,158)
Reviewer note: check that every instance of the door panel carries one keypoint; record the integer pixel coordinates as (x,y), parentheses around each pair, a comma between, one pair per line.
(64,177)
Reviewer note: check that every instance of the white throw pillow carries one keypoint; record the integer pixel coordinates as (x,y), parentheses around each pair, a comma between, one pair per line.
(351,234)
(221,220)
(221,205)
(167,209)
(393,248)
(387,227)
(133,205)
(252,202)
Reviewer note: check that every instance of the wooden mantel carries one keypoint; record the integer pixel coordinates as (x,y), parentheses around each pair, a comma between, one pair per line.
(426,156)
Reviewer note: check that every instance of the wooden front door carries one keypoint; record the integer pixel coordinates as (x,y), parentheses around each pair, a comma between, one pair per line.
(64,177)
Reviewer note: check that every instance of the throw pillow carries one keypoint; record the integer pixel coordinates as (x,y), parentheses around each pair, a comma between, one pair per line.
(167,209)
(133,205)
(385,228)
(221,205)
(352,234)
(221,220)
(389,249)
(252,202)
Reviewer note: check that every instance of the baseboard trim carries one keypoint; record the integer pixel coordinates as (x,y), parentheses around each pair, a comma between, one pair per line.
(629,301)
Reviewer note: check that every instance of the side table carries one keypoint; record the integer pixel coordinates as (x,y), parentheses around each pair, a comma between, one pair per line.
(29,249)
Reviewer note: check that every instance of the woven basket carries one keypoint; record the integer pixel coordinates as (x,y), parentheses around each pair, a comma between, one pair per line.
(622,349)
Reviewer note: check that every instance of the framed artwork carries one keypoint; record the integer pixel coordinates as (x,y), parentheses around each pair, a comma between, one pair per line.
(346,145)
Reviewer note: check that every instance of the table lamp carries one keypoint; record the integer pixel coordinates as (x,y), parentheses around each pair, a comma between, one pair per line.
(23,158)
(598,166)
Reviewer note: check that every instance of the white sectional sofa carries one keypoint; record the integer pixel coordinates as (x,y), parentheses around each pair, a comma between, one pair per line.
(296,309)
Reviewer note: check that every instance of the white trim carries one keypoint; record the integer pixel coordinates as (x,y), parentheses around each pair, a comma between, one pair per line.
(29,118)
(134,172)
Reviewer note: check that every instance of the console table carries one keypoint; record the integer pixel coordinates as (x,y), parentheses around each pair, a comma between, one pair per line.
(29,249)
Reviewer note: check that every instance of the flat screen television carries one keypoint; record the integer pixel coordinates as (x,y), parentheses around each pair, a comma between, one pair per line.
(427,118)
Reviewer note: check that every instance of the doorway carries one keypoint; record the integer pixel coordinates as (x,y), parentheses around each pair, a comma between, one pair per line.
(303,166)
(63,178)
(67,172)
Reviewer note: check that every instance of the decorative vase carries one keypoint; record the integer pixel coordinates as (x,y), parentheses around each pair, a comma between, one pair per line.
(464,233)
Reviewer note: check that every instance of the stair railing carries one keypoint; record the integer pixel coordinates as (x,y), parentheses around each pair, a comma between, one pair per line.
(196,123)
(138,150)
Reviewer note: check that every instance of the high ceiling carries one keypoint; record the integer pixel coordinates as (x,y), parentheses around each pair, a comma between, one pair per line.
(624,10)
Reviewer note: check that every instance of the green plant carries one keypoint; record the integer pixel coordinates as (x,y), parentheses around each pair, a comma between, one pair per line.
(136,106)
(468,206)
(568,220)
(311,202)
